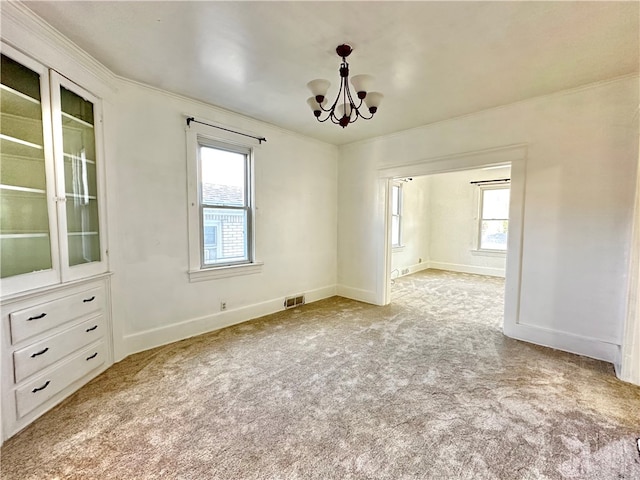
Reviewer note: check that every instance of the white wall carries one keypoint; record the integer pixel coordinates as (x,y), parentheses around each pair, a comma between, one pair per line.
(296,221)
(579,185)
(145,154)
(454,221)
(415,226)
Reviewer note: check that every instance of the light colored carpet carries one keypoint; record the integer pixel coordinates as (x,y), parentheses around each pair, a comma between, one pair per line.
(426,388)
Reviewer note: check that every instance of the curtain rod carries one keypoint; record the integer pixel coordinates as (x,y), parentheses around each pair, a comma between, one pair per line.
(191,119)
(498,180)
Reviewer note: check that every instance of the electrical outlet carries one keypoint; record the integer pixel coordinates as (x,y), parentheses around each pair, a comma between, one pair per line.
(223,305)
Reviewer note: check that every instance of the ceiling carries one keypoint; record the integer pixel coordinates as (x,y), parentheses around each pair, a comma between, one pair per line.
(432,60)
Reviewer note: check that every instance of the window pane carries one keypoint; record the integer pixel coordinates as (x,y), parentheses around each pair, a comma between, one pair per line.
(224,235)
(81,191)
(495,204)
(494,234)
(395,230)
(395,200)
(222,177)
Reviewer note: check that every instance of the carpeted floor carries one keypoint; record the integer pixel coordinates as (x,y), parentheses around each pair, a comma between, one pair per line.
(426,388)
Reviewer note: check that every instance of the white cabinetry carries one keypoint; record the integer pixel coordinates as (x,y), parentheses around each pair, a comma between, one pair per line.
(51,192)
(53,342)
(54,285)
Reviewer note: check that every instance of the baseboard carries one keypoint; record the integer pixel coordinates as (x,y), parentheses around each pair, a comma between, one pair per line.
(618,369)
(157,337)
(455,267)
(567,342)
(414,268)
(365,296)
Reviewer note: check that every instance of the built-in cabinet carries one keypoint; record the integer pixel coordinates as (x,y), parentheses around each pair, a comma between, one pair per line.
(56,328)
(53,342)
(52,215)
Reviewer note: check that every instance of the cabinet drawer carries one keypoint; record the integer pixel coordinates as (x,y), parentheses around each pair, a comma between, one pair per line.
(41,389)
(29,360)
(34,320)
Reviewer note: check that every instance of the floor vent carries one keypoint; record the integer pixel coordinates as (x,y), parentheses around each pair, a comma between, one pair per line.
(292,302)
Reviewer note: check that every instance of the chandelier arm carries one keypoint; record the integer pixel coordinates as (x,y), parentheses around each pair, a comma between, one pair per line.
(345,92)
(325,119)
(332,108)
(363,116)
(350,97)
(353,106)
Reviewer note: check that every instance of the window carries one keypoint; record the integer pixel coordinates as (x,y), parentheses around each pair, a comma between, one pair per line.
(225,209)
(220,208)
(494,218)
(396,215)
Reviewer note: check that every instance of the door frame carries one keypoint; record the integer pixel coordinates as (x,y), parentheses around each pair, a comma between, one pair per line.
(514,155)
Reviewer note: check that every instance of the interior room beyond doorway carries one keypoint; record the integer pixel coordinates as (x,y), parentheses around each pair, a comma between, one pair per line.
(454,221)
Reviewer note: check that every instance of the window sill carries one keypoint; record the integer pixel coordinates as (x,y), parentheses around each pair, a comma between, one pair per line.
(489,253)
(216,273)
(397,248)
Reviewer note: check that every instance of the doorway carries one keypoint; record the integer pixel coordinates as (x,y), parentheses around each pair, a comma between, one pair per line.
(449,240)
(513,156)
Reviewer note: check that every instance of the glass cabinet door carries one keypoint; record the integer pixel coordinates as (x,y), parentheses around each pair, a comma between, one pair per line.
(81,190)
(51,220)
(27,212)
(77,162)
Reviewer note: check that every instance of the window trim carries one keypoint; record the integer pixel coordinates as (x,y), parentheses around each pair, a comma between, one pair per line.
(488,251)
(202,135)
(399,245)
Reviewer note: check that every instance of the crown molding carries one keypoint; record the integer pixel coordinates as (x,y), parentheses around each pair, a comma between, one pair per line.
(27,32)
(560,93)
(225,113)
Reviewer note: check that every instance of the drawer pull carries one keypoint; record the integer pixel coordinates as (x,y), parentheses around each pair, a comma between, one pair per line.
(37,317)
(92,356)
(86,300)
(35,390)
(92,328)
(34,355)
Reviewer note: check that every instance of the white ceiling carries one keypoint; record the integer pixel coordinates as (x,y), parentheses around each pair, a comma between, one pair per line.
(432,60)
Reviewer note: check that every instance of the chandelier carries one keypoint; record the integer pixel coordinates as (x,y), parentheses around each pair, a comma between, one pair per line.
(344,110)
